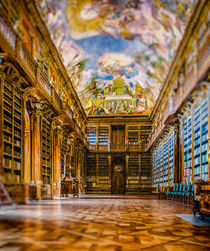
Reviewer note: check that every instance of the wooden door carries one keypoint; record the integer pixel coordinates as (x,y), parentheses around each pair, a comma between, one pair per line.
(118,176)
(118,136)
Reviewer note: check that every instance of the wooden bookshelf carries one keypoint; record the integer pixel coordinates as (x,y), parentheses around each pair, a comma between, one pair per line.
(103,173)
(46,151)
(133,173)
(201,141)
(145,173)
(12,133)
(73,165)
(154,168)
(171,159)
(103,135)
(158,166)
(166,161)
(11,10)
(161,164)
(144,133)
(91,134)
(188,149)
(133,135)
(63,154)
(91,171)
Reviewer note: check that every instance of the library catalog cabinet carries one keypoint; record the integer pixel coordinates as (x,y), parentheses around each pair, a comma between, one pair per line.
(11,132)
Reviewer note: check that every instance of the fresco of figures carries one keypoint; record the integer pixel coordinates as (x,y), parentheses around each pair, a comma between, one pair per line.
(117,52)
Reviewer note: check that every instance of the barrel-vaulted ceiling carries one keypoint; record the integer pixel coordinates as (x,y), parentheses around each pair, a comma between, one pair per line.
(116,52)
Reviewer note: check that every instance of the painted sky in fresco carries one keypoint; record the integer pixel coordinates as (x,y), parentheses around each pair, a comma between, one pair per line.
(116,52)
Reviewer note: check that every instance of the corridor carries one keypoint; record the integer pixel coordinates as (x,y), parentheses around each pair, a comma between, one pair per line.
(101,222)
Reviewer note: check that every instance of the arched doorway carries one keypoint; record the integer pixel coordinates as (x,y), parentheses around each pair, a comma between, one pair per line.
(118,175)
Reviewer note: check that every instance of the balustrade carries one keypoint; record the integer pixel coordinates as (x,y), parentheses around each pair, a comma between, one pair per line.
(7,33)
(27,59)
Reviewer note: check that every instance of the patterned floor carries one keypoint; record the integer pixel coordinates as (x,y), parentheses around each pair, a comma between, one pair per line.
(111,223)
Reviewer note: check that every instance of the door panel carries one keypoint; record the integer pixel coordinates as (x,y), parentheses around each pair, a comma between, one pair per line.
(118,135)
(118,176)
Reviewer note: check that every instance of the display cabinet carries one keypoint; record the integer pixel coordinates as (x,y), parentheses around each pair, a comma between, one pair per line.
(205,199)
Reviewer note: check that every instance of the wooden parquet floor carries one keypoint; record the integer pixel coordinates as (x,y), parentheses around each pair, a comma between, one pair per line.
(92,223)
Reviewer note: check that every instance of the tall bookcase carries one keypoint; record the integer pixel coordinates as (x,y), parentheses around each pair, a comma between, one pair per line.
(144,132)
(91,134)
(91,170)
(171,159)
(12,133)
(63,154)
(103,135)
(158,165)
(166,164)
(188,149)
(73,162)
(161,164)
(146,168)
(204,138)
(133,171)
(201,141)
(154,168)
(46,151)
(133,135)
(103,172)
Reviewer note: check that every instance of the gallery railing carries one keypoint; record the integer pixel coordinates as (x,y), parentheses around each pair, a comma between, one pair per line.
(115,148)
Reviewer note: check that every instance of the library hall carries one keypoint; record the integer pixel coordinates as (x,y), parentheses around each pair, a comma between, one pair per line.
(104,125)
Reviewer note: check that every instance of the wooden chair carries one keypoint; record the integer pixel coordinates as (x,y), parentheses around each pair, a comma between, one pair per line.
(182,194)
(171,190)
(175,192)
(189,194)
(178,195)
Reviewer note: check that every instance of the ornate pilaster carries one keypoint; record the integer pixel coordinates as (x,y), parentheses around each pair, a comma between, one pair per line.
(57,139)
(110,170)
(97,170)
(178,150)
(27,142)
(36,145)
(2,78)
(126,175)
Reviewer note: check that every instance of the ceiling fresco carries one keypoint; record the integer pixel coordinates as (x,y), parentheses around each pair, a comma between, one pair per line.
(116,52)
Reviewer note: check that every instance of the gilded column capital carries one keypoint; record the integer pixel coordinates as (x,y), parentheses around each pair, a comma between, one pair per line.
(127,157)
(2,75)
(109,158)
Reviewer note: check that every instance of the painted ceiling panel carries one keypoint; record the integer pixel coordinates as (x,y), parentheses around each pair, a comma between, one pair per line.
(116,52)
